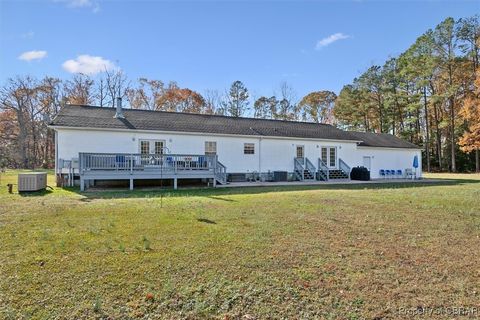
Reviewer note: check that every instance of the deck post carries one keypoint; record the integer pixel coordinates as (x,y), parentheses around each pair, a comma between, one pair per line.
(214,182)
(175,183)
(131,163)
(82,183)
(131,184)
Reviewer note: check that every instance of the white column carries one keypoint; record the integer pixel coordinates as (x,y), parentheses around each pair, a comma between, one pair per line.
(175,183)
(131,184)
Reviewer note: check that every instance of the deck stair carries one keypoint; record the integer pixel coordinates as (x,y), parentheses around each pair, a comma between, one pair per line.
(304,170)
(221,173)
(325,173)
(307,175)
(345,168)
(337,174)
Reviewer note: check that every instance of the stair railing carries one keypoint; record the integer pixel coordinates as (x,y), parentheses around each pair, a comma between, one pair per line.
(310,167)
(344,167)
(298,168)
(221,172)
(323,169)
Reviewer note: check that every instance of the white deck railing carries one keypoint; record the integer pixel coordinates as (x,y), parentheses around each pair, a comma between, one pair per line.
(124,162)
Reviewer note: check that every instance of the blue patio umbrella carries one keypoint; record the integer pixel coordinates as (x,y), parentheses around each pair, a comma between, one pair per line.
(415,165)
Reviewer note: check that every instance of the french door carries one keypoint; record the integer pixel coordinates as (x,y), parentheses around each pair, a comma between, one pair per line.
(150,151)
(329,156)
(151,147)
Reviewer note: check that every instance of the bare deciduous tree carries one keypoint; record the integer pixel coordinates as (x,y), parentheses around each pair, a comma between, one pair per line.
(213,101)
(79,90)
(117,85)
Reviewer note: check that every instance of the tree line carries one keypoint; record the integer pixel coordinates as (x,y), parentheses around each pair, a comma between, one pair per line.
(428,95)
(28,104)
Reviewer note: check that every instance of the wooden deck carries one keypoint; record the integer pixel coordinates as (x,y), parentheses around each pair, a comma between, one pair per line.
(127,166)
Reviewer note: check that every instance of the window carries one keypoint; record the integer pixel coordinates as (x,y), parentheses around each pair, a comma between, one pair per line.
(144,147)
(329,156)
(248,148)
(333,157)
(300,152)
(158,147)
(210,147)
(323,155)
(152,146)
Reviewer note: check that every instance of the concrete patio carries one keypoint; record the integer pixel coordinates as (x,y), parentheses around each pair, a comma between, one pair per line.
(320,183)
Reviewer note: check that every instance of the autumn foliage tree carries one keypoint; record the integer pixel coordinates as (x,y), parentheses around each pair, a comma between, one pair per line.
(428,95)
(181,100)
(470,140)
(318,106)
(421,95)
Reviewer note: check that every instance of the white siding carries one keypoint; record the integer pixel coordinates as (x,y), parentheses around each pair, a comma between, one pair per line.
(270,153)
(389,159)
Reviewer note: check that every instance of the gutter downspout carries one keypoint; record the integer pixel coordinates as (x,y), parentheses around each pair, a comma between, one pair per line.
(260,157)
(56,158)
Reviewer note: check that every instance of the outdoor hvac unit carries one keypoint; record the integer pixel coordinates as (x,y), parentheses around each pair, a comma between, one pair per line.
(32,181)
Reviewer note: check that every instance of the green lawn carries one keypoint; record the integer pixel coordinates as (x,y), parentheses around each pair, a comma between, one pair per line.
(252,253)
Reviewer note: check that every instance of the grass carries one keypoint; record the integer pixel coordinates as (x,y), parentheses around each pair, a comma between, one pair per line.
(349,252)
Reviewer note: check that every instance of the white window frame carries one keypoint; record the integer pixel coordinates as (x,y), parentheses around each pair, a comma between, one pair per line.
(328,159)
(324,159)
(208,148)
(151,145)
(250,147)
(301,146)
(140,142)
(335,161)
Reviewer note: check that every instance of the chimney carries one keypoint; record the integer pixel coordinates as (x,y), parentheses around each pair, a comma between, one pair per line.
(119,112)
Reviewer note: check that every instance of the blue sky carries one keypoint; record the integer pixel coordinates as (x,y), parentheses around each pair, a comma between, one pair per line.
(207,45)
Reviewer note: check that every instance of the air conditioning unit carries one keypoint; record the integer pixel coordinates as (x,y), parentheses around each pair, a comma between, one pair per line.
(32,181)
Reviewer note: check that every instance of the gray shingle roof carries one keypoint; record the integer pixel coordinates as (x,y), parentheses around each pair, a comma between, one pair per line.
(97,117)
(385,140)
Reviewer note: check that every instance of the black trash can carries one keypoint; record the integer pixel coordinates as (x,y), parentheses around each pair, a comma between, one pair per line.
(280,176)
(366,175)
(354,173)
(360,173)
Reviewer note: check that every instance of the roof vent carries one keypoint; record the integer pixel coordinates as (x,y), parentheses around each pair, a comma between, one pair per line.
(119,112)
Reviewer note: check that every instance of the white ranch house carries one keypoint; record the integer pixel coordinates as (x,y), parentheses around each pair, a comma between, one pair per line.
(97,144)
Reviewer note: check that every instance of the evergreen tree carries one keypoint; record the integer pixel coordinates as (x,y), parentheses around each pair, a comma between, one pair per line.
(236,104)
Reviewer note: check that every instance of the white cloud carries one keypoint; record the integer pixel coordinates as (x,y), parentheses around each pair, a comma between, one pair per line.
(92,4)
(87,64)
(33,55)
(79,3)
(331,39)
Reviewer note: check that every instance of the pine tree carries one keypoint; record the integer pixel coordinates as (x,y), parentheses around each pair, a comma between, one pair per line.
(236,104)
